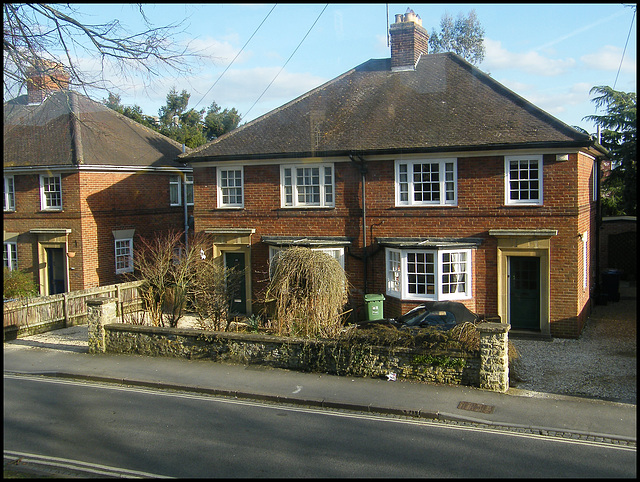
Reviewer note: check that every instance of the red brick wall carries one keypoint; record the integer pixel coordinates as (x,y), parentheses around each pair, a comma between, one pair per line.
(94,204)
(480,208)
(408,42)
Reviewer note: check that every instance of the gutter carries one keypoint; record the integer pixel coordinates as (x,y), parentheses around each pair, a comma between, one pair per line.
(558,145)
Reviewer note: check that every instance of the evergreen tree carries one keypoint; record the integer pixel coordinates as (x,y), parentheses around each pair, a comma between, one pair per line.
(619,136)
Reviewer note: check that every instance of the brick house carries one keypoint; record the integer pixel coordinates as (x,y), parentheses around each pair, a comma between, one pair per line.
(81,182)
(425,178)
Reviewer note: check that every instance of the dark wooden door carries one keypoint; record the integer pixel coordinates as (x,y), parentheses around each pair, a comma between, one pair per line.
(524,292)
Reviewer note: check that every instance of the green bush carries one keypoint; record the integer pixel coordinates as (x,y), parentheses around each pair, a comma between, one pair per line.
(18,284)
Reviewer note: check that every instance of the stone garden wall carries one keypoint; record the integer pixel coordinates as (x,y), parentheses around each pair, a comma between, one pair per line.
(488,370)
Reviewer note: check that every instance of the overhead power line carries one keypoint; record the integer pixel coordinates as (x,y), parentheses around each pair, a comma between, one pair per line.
(625,48)
(237,55)
(285,64)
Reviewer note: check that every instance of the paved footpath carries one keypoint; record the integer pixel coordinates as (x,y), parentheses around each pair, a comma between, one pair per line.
(519,410)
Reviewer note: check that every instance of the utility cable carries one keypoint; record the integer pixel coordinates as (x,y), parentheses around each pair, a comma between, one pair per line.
(237,55)
(625,47)
(285,64)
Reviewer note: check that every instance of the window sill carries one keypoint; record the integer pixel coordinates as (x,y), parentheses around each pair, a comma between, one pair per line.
(427,206)
(306,208)
(523,205)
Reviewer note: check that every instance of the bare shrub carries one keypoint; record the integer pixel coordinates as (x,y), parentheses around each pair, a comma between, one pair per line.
(135,318)
(309,289)
(212,291)
(168,269)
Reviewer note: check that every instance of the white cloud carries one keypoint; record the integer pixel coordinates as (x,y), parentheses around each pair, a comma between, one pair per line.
(608,58)
(531,62)
(240,85)
(220,52)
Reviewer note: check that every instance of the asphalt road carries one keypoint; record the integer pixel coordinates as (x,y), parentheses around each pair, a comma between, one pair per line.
(176,434)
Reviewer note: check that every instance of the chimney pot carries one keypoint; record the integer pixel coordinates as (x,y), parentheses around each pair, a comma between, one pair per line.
(409,41)
(44,77)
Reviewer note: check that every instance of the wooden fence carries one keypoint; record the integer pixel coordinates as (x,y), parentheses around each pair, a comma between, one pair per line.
(66,309)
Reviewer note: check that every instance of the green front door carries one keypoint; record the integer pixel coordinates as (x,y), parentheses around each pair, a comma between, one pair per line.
(524,292)
(55,270)
(233,259)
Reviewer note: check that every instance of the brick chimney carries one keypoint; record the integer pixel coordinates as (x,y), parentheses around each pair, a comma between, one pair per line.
(409,40)
(43,78)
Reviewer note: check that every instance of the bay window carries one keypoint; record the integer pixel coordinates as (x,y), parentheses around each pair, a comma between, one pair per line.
(417,274)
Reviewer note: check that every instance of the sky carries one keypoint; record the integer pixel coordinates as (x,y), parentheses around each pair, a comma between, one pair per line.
(550,54)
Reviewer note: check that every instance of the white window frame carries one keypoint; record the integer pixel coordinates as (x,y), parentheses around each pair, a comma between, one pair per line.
(176,187)
(9,194)
(44,204)
(189,184)
(290,190)
(223,190)
(127,266)
(10,255)
(447,182)
(508,187)
(175,194)
(397,274)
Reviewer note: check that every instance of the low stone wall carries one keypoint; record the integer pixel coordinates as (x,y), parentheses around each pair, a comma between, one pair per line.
(488,369)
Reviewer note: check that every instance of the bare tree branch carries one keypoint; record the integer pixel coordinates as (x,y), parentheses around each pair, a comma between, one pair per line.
(38,35)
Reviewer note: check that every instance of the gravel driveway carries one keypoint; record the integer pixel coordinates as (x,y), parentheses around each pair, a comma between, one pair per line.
(600,364)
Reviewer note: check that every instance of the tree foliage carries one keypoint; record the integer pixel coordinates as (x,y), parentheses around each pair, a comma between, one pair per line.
(18,284)
(37,34)
(219,122)
(132,112)
(464,36)
(619,136)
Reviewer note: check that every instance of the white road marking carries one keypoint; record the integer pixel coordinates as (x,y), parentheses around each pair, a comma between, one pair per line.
(319,411)
(78,465)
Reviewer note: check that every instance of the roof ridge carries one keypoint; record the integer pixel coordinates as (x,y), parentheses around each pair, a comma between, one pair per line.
(541,113)
(273,111)
(130,121)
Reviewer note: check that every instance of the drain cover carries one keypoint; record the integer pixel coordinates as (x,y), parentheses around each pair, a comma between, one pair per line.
(476,407)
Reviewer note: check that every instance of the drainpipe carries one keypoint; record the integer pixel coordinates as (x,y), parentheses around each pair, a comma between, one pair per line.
(363,172)
(598,222)
(184,203)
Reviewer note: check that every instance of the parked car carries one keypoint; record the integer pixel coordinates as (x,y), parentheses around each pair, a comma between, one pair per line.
(443,315)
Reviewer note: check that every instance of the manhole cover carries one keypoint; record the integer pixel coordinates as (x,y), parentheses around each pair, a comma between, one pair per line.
(476,407)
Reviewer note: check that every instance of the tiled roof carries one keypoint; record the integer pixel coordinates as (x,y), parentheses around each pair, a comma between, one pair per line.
(69,129)
(444,104)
